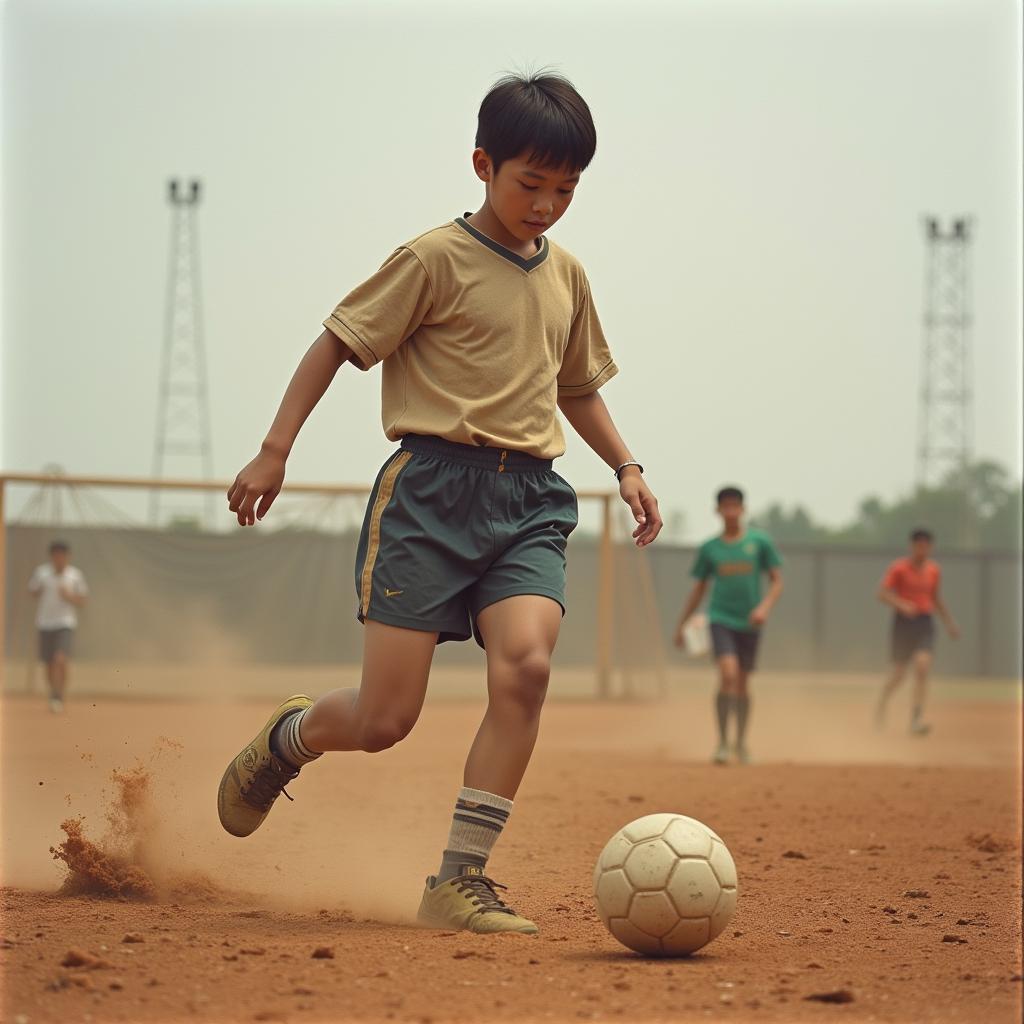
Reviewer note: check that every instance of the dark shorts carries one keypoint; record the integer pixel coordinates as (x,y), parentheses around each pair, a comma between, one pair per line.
(452,528)
(53,640)
(740,642)
(911,634)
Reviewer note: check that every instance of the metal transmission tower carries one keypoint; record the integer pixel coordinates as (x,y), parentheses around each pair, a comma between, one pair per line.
(944,441)
(183,411)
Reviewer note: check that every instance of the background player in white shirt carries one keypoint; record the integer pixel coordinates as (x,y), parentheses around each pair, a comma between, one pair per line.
(59,589)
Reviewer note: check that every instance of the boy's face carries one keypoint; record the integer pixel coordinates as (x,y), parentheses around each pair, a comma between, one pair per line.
(59,559)
(731,511)
(526,197)
(920,549)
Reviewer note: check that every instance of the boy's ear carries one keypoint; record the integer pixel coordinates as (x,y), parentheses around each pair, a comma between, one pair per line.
(482,166)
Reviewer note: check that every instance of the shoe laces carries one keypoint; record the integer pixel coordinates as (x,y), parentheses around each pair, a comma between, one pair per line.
(268,784)
(483,895)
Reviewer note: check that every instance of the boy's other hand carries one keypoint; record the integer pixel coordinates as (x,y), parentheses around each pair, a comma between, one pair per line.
(256,487)
(680,639)
(908,609)
(759,616)
(643,504)
(954,631)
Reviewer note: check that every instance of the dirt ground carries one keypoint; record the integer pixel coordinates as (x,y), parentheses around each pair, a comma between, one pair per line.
(882,870)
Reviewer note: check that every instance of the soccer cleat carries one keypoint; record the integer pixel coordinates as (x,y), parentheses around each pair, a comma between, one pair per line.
(256,778)
(742,754)
(470,902)
(56,705)
(721,755)
(919,728)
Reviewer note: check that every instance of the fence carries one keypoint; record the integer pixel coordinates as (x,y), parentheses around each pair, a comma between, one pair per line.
(286,596)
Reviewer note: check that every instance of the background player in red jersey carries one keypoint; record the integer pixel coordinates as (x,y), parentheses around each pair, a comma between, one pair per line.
(911,588)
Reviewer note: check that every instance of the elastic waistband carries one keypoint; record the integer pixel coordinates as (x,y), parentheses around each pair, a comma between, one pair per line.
(504,460)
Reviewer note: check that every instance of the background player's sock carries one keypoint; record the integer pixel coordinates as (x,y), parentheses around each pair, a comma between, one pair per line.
(477,823)
(286,743)
(742,705)
(723,705)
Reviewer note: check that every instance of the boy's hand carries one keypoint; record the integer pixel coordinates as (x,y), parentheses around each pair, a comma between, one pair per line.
(908,609)
(953,629)
(680,638)
(759,616)
(261,482)
(643,504)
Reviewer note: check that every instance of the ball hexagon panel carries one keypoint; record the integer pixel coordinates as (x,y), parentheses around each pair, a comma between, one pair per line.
(613,894)
(687,936)
(647,827)
(694,888)
(722,914)
(653,913)
(688,838)
(722,864)
(629,935)
(649,864)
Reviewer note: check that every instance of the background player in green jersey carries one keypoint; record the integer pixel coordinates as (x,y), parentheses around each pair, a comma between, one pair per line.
(735,560)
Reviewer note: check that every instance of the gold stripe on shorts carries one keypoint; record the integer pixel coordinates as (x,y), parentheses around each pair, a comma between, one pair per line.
(384,492)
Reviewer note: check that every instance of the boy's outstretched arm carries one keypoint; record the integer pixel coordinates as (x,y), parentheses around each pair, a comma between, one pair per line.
(692,604)
(590,419)
(260,482)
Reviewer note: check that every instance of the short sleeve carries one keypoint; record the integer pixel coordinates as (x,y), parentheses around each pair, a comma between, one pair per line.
(81,587)
(703,567)
(587,363)
(35,582)
(381,313)
(770,557)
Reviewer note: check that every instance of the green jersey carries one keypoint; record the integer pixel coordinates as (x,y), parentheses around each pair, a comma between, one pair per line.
(736,567)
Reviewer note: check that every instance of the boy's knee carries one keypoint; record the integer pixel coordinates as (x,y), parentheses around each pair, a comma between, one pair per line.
(523,680)
(381,733)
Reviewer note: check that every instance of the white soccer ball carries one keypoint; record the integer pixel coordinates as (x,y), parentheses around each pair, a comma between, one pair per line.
(665,885)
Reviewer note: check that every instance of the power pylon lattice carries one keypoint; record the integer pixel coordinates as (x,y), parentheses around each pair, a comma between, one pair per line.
(183,411)
(944,439)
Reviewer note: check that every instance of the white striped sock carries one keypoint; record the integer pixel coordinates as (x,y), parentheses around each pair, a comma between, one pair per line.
(286,741)
(478,821)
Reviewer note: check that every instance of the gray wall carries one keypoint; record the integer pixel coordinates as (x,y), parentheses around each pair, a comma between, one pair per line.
(289,597)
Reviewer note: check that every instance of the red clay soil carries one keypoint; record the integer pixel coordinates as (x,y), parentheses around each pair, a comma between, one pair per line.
(867,892)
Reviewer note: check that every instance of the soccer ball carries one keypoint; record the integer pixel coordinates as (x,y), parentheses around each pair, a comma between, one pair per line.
(665,885)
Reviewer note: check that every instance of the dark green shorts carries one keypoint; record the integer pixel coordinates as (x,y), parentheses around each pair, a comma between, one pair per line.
(452,528)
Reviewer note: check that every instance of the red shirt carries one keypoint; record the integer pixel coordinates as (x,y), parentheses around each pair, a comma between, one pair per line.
(917,584)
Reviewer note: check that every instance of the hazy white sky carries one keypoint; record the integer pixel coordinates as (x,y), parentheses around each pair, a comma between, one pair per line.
(750,225)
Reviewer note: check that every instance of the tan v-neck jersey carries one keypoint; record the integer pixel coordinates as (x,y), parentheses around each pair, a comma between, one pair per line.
(477,342)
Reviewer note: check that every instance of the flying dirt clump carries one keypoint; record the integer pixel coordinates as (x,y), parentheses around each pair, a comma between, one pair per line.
(93,871)
(128,862)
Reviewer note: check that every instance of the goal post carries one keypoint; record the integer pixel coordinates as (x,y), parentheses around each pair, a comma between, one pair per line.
(613,626)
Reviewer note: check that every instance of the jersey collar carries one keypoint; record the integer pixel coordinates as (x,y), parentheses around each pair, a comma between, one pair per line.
(513,257)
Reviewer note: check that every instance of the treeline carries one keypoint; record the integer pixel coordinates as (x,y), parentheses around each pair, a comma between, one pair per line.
(978,507)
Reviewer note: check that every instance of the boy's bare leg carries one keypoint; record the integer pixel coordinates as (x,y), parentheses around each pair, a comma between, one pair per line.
(889,687)
(385,707)
(741,705)
(519,634)
(725,700)
(396,664)
(922,664)
(56,678)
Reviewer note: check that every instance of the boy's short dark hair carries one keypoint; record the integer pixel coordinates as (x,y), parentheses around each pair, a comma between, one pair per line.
(59,545)
(727,494)
(921,533)
(542,115)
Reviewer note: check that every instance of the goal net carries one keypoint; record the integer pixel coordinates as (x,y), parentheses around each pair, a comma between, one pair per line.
(184,602)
